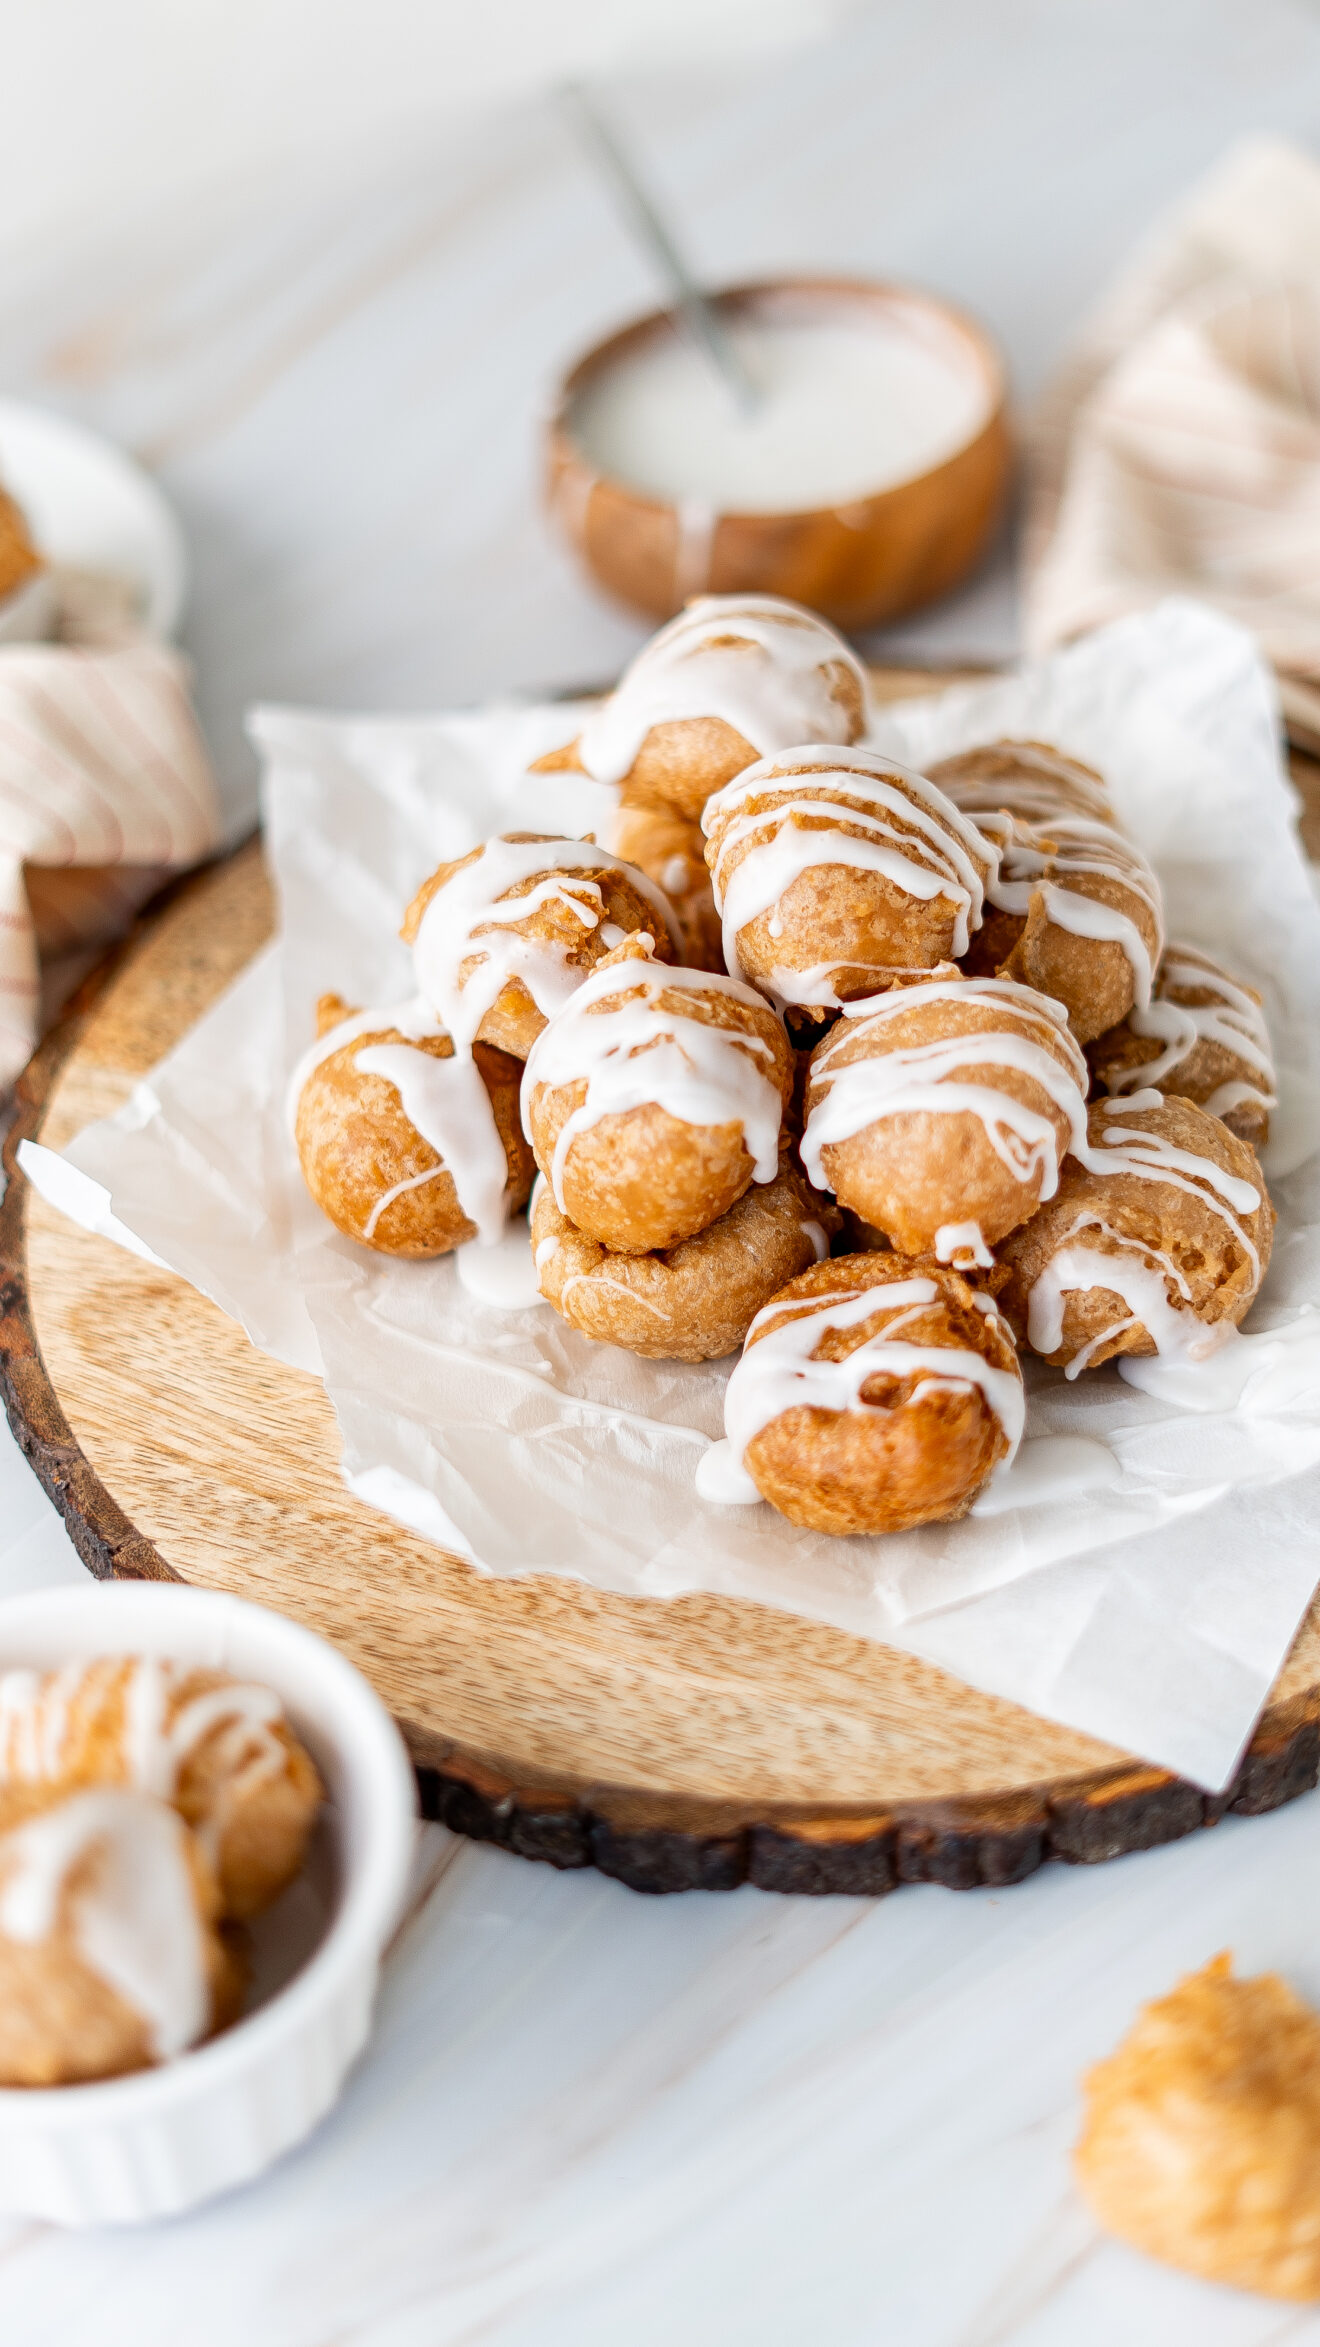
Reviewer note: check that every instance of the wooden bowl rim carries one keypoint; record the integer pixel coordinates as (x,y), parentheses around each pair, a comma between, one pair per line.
(861,291)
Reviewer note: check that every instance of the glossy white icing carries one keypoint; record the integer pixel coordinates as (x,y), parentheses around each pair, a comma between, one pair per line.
(503,1277)
(897,824)
(777,1371)
(1045,787)
(752,660)
(1075,848)
(962,1243)
(1033,1040)
(642,1051)
(158,1731)
(444,1100)
(1233,1019)
(122,1860)
(469,943)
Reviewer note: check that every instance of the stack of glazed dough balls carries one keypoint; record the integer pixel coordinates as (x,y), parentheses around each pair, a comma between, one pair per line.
(880,1076)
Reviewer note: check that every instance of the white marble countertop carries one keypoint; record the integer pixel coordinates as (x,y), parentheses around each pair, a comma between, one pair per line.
(588,2117)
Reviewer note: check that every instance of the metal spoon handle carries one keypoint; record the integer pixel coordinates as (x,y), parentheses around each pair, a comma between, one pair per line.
(700,314)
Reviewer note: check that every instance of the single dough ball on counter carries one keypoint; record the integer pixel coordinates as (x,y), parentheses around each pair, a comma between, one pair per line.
(874,1395)
(835,869)
(1155,1241)
(655,1098)
(110,1959)
(408,1146)
(692,1302)
(502,937)
(1201,2144)
(1074,909)
(940,1112)
(220,1750)
(671,850)
(1203,1036)
(732,679)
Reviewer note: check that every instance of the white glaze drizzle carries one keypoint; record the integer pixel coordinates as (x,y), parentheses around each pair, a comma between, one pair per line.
(134,1920)
(1233,1020)
(444,1100)
(1139,1272)
(903,828)
(923,1076)
(769,686)
(1073,848)
(962,1243)
(473,918)
(777,1371)
(1047,787)
(158,1734)
(642,1052)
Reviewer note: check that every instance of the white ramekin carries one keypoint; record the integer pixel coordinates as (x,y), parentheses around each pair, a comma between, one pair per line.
(129,2149)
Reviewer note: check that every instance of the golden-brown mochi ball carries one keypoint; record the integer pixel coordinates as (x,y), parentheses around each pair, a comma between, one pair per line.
(1122,1261)
(502,936)
(19,559)
(672,852)
(1033,780)
(218,1748)
(368,1167)
(1203,1036)
(834,870)
(731,679)
(654,1098)
(692,1302)
(940,1112)
(840,1418)
(1201,2143)
(128,1857)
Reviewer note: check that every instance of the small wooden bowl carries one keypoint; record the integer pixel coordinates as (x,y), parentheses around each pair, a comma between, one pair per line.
(859,564)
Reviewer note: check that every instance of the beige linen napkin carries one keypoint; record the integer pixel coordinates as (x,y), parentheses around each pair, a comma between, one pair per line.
(105,789)
(1178,451)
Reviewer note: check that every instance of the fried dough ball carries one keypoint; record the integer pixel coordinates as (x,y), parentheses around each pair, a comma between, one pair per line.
(219,1749)
(1074,909)
(940,1112)
(1203,1036)
(378,1177)
(834,870)
(19,559)
(1032,780)
(692,1302)
(110,1955)
(1201,2144)
(654,1098)
(502,936)
(1156,1243)
(731,679)
(671,850)
(874,1395)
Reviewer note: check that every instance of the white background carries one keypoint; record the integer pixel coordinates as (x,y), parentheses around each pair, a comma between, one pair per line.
(280,251)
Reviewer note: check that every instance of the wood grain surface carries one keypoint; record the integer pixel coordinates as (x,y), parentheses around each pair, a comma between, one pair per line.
(697,1742)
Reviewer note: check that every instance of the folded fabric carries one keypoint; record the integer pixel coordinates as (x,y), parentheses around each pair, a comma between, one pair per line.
(105,789)
(1179,448)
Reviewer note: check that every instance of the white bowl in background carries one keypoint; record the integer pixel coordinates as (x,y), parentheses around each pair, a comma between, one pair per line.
(124,2150)
(90,507)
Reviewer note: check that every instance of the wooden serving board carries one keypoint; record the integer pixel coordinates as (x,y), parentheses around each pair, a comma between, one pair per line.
(698,1742)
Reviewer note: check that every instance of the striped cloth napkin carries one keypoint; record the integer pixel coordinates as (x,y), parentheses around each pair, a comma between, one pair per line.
(1178,451)
(105,789)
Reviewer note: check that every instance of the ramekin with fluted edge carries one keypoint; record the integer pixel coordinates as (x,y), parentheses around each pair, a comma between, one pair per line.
(125,2150)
